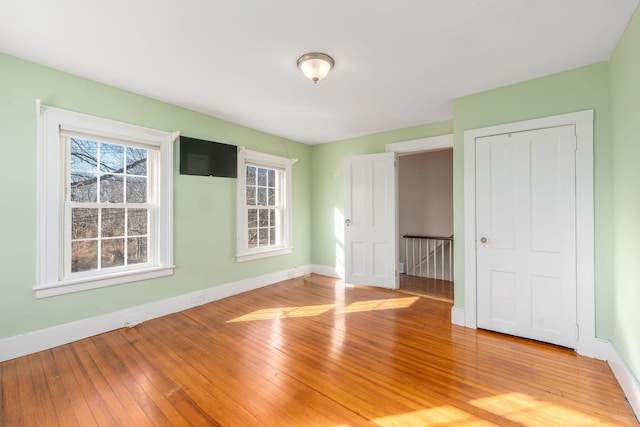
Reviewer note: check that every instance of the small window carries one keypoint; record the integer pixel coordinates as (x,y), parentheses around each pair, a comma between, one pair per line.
(264,205)
(105,203)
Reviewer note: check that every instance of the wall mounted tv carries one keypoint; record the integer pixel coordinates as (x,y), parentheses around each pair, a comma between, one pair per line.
(207,158)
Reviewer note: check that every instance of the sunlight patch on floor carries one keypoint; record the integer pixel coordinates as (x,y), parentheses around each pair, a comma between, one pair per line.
(285,312)
(440,416)
(515,407)
(527,411)
(316,310)
(380,304)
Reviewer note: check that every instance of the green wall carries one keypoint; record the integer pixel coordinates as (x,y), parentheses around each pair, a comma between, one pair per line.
(576,90)
(204,211)
(625,113)
(327,187)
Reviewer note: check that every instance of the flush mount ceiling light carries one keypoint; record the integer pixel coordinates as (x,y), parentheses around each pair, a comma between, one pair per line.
(315,66)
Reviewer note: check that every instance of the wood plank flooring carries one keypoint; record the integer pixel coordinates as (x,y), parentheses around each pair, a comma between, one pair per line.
(309,353)
(427,287)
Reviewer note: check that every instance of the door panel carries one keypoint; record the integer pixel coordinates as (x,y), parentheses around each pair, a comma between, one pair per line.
(503,293)
(370,220)
(546,303)
(503,202)
(545,214)
(526,242)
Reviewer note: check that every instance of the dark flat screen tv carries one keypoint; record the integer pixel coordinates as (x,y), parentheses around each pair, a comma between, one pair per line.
(207,158)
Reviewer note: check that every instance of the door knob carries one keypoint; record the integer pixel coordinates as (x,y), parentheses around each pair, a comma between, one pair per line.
(483,240)
(347,222)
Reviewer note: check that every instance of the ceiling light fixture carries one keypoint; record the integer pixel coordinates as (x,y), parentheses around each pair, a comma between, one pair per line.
(315,66)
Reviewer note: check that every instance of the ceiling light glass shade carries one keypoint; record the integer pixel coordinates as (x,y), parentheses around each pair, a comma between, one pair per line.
(315,66)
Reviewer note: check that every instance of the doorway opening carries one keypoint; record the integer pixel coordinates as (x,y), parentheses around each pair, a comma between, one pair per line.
(425,205)
(425,216)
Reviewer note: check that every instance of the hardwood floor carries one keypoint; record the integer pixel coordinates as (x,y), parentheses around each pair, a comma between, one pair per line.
(309,353)
(424,286)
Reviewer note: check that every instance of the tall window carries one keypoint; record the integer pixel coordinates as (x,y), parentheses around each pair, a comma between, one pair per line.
(105,203)
(108,202)
(264,205)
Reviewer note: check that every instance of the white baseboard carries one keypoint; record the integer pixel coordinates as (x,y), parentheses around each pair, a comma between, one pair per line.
(604,350)
(44,339)
(457,316)
(628,382)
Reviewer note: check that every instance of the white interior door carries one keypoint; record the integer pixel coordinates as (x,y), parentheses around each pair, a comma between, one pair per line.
(526,234)
(370,212)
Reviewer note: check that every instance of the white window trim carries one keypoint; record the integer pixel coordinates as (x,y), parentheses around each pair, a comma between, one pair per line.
(243,253)
(51,181)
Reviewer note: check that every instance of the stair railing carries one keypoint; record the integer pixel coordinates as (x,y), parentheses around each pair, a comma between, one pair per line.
(429,256)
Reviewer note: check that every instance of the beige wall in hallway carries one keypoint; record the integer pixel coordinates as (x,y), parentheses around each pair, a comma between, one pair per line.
(425,182)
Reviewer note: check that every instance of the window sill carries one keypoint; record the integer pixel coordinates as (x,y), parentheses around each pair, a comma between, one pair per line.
(68,286)
(250,256)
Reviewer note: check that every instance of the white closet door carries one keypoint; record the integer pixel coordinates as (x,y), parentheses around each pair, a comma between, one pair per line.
(526,234)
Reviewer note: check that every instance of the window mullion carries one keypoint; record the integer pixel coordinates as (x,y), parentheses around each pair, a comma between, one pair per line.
(108,205)
(99,240)
(125,236)
(98,175)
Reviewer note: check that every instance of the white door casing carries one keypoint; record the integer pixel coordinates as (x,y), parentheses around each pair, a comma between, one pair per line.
(525,234)
(370,212)
(585,286)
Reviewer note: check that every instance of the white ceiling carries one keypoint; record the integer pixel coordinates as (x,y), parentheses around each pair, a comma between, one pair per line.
(398,63)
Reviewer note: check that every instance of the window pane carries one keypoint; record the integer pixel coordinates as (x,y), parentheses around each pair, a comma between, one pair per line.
(112,222)
(136,190)
(83,155)
(251,175)
(272,236)
(263,237)
(262,177)
(111,188)
(136,250)
(262,196)
(136,222)
(252,218)
(112,253)
(272,196)
(264,218)
(251,196)
(272,178)
(272,217)
(137,161)
(253,238)
(84,187)
(84,223)
(111,158)
(84,255)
